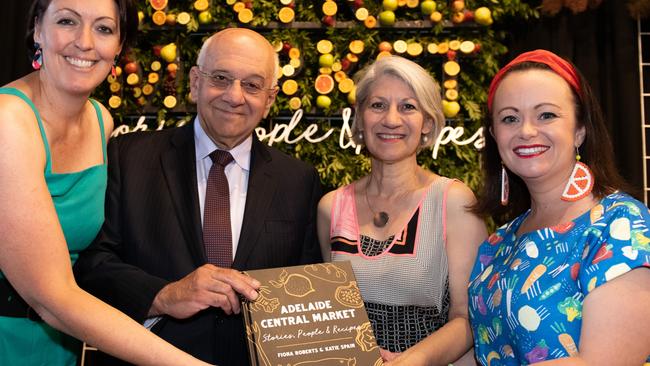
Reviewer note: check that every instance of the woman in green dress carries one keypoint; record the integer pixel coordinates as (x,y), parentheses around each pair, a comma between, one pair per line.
(52,186)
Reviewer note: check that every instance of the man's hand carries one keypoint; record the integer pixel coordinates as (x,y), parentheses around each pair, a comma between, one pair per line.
(207,286)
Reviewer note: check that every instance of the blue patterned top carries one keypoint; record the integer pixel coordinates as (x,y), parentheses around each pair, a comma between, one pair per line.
(526,292)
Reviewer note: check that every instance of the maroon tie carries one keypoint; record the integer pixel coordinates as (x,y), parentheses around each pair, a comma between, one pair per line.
(217,236)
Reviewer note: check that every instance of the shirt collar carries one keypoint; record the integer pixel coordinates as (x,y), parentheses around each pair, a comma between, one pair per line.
(204,146)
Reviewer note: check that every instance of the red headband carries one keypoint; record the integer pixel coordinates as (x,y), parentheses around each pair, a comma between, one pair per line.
(559,65)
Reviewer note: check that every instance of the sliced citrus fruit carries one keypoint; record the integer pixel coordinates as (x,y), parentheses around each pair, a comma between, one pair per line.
(451,68)
(324,46)
(183,18)
(285,2)
(324,84)
(277,46)
(295,62)
(245,16)
(451,94)
(118,71)
(370,21)
(450,84)
(111,78)
(158,17)
(153,77)
(443,47)
(286,15)
(432,48)
(383,54)
(238,6)
(231,2)
(346,85)
(169,101)
(155,66)
(289,87)
(580,184)
(158,4)
(412,3)
(454,45)
(141,101)
(467,47)
(401,2)
(201,5)
(147,89)
(336,66)
(295,103)
(361,14)
(400,46)
(340,75)
(294,52)
(132,79)
(325,70)
(356,46)
(288,70)
(329,7)
(114,101)
(114,87)
(137,92)
(414,49)
(352,58)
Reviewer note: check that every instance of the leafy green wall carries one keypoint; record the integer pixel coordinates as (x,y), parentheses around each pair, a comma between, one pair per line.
(336,166)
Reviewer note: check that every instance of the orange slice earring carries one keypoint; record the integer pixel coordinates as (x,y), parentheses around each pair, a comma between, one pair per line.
(580,183)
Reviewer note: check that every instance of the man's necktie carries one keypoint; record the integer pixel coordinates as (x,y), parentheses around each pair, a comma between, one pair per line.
(217,236)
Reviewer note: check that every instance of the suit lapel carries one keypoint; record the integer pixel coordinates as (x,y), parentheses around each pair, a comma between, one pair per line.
(261,187)
(179,169)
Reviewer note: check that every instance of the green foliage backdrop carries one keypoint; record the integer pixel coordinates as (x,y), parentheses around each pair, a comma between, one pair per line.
(164,97)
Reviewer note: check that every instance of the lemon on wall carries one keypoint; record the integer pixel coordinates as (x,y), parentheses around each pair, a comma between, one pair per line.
(323,101)
(168,52)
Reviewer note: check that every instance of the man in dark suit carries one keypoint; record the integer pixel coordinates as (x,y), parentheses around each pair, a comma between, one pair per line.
(149,259)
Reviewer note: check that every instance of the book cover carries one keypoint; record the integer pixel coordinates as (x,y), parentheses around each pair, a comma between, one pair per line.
(310,315)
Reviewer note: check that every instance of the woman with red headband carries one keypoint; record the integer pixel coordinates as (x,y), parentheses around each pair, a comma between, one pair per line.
(567,281)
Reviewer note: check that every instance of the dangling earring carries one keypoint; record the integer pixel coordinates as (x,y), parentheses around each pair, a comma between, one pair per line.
(580,183)
(424,139)
(113,70)
(505,186)
(37,60)
(360,137)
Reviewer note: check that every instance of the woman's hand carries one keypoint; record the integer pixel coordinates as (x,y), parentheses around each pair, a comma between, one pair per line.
(408,358)
(387,355)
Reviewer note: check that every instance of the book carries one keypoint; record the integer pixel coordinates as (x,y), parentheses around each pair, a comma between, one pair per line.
(309,315)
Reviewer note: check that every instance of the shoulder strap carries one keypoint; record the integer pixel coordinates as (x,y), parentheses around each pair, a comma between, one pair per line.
(21,95)
(98,110)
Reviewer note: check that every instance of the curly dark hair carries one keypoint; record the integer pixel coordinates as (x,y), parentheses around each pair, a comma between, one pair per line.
(596,151)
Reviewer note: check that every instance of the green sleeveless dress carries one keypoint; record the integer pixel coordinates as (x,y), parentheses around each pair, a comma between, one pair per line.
(79,201)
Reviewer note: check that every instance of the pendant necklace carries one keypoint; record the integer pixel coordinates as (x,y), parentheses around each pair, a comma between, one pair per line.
(379,219)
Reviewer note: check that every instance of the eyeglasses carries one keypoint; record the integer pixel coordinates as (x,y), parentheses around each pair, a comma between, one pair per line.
(223,82)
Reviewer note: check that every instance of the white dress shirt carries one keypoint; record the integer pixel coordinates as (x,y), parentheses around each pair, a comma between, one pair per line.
(237,173)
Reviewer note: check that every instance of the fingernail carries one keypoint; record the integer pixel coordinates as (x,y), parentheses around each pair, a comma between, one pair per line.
(253,295)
